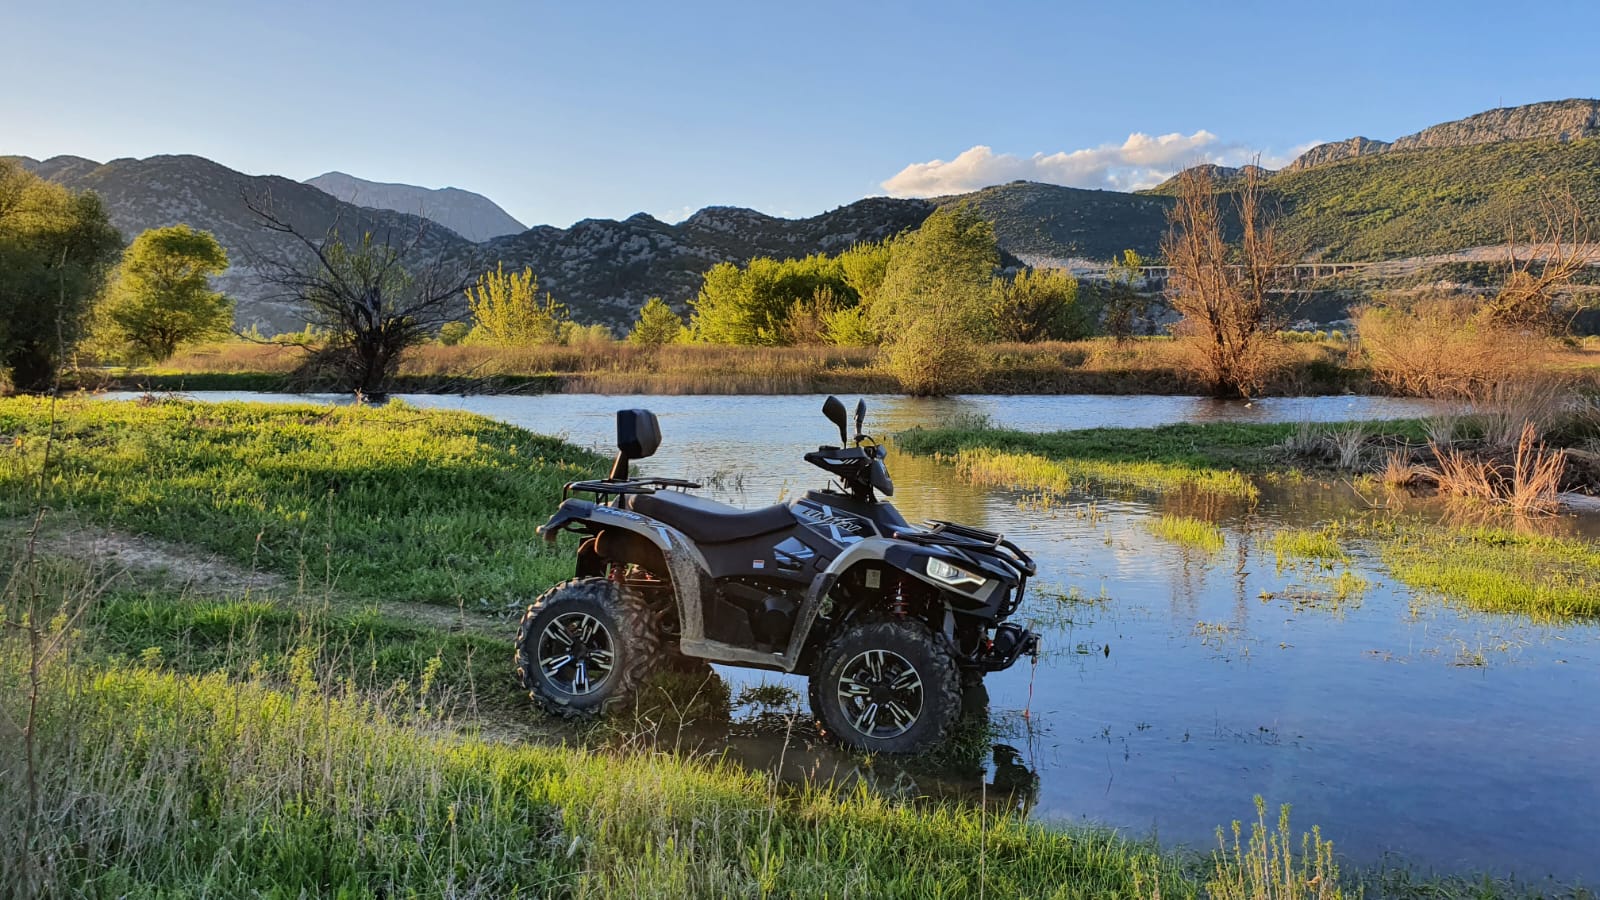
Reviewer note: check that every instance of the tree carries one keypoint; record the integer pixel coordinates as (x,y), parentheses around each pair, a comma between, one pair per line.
(932,305)
(657,324)
(507,311)
(1037,305)
(374,298)
(1122,299)
(161,295)
(56,248)
(752,305)
(1229,297)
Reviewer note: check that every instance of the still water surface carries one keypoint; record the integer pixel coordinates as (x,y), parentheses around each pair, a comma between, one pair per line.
(1182,684)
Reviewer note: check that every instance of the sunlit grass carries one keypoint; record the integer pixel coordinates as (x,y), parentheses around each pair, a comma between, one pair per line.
(391,503)
(1497,570)
(1212,458)
(1188,532)
(1319,545)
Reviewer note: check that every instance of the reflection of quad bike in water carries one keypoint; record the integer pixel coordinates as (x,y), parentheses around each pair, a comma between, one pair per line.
(887,619)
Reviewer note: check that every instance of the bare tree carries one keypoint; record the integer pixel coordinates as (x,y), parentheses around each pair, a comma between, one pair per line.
(375,297)
(1229,296)
(1537,284)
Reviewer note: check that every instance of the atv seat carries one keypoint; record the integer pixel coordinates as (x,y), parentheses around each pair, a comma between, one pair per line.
(708,521)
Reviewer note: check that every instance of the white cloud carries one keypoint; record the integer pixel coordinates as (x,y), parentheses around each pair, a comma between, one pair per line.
(1139,162)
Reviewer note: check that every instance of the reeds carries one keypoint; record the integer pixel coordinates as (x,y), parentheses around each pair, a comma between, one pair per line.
(1529,482)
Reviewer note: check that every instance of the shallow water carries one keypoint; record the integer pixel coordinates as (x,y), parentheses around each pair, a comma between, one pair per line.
(1178,685)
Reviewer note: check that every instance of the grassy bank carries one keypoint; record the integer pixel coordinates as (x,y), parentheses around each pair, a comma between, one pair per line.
(391,503)
(1099,366)
(1218,458)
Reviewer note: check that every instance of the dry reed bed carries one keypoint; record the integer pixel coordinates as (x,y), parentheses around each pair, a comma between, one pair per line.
(1093,366)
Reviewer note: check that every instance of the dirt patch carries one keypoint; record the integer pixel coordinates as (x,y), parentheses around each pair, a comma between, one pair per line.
(130,558)
(142,557)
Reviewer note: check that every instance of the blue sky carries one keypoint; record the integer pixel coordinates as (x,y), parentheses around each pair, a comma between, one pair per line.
(562,111)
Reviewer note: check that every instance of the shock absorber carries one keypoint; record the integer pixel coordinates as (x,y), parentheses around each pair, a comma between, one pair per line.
(897,601)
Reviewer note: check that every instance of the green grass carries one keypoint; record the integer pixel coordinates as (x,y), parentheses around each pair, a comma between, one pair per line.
(1188,532)
(1497,570)
(1216,458)
(391,503)
(1317,545)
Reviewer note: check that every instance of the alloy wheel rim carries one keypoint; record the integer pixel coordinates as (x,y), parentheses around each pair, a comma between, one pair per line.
(576,653)
(880,694)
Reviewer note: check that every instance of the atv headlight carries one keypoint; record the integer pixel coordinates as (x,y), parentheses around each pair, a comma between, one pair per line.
(939,570)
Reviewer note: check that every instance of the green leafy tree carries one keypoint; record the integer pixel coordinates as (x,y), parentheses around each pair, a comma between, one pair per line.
(849,326)
(864,267)
(161,296)
(1037,305)
(933,305)
(1123,304)
(657,324)
(56,249)
(507,311)
(453,333)
(753,304)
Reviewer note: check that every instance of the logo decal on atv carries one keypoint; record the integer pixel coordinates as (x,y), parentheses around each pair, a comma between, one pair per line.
(824,519)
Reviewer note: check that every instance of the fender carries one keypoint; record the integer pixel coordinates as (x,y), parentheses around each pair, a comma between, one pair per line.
(686,567)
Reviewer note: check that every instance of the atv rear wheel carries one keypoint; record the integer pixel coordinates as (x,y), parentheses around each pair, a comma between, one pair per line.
(586,645)
(887,687)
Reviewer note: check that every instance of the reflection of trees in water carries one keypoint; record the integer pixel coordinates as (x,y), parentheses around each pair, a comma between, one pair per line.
(927,489)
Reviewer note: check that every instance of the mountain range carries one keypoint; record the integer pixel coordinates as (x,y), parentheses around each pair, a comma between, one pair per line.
(1446,188)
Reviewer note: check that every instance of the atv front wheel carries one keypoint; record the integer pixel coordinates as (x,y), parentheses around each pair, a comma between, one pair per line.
(887,687)
(585,645)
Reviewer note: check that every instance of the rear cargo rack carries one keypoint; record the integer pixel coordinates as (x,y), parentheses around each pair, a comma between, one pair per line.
(626,486)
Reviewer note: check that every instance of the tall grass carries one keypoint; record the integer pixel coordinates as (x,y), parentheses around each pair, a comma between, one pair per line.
(1529,482)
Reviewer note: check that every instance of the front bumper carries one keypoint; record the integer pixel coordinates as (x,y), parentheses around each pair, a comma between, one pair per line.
(1010,642)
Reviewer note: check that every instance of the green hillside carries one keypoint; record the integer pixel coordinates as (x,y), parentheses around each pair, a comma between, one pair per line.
(1439,200)
(1045,220)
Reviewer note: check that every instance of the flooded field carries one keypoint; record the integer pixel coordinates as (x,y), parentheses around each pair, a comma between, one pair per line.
(1184,675)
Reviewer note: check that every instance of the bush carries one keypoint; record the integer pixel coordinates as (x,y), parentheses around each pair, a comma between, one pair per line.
(1438,347)
(453,333)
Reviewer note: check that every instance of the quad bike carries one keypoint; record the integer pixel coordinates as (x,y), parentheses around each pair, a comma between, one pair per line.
(889,620)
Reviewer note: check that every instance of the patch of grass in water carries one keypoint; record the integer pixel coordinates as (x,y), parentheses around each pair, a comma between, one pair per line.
(1316,545)
(1188,532)
(1208,457)
(1496,569)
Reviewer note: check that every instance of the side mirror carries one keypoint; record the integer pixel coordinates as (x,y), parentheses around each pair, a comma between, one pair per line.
(834,410)
(861,415)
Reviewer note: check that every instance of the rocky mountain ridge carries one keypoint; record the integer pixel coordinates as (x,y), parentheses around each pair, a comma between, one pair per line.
(1553,120)
(473,216)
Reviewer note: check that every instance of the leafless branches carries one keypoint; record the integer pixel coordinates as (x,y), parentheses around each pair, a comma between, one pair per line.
(1228,296)
(1536,284)
(375,295)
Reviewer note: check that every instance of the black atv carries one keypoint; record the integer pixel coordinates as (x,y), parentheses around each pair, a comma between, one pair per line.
(889,620)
